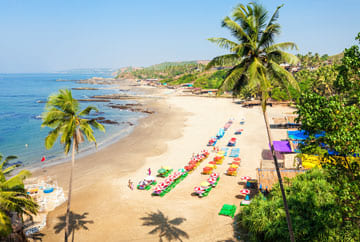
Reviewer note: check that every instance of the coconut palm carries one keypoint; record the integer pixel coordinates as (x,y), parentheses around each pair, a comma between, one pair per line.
(13,197)
(63,115)
(257,60)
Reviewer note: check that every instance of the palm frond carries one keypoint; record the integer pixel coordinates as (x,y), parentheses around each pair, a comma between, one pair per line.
(68,130)
(7,159)
(220,60)
(9,169)
(271,29)
(283,75)
(53,117)
(223,43)
(17,180)
(235,77)
(237,31)
(5,224)
(87,110)
(254,73)
(282,46)
(96,125)
(51,138)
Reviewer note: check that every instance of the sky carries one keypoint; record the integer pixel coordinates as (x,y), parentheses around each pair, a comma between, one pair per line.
(55,35)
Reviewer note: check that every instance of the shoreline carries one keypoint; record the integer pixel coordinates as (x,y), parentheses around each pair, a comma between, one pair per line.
(52,169)
(89,149)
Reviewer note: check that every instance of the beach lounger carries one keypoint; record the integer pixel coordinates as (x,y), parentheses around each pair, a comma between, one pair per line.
(220,134)
(242,121)
(235,152)
(219,159)
(245,203)
(225,150)
(207,170)
(212,141)
(239,131)
(228,210)
(232,142)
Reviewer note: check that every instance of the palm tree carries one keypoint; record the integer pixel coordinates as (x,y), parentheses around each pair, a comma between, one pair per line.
(257,61)
(63,115)
(13,197)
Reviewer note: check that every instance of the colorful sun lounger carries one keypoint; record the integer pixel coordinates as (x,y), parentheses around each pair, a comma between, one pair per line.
(232,142)
(220,134)
(212,141)
(228,210)
(235,152)
(225,149)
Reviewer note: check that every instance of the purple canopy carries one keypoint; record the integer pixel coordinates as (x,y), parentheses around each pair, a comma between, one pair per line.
(282,146)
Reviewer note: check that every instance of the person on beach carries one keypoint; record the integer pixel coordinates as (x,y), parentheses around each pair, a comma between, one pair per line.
(131,185)
(149,172)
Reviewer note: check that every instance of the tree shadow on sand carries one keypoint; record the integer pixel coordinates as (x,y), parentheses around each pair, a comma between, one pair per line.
(167,228)
(36,236)
(77,222)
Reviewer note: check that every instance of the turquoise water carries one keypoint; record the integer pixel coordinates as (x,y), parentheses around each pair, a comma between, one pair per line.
(20,122)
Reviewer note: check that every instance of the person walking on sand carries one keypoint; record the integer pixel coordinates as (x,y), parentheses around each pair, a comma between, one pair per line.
(131,185)
(149,172)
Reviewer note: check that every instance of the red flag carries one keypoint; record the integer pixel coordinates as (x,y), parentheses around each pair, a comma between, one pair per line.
(43,159)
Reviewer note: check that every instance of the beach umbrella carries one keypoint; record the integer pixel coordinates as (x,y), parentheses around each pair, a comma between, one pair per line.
(158,189)
(214,175)
(142,183)
(231,169)
(237,159)
(212,180)
(234,166)
(150,178)
(210,166)
(245,178)
(173,176)
(167,168)
(212,162)
(161,170)
(199,189)
(245,191)
(205,184)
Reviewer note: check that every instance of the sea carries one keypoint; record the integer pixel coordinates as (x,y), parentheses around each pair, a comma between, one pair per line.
(22,102)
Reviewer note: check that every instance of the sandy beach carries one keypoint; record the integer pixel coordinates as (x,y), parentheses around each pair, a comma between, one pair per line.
(107,210)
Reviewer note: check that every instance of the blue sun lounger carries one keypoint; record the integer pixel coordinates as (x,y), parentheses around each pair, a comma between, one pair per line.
(220,134)
(235,152)
(225,149)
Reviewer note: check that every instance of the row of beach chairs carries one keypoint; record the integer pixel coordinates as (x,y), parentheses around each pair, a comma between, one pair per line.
(205,187)
(235,152)
(233,167)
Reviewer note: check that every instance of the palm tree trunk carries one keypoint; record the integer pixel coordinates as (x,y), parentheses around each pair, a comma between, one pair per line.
(67,218)
(288,219)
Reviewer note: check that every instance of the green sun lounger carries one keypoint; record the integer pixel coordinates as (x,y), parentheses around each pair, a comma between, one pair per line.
(228,210)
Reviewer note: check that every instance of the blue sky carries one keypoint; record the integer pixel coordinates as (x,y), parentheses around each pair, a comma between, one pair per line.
(52,35)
